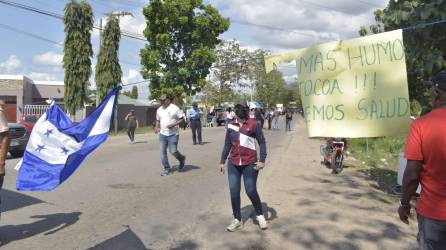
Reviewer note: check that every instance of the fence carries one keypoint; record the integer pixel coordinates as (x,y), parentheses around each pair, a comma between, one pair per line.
(35,109)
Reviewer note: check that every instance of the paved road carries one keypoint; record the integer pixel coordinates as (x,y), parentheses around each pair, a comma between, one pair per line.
(118,200)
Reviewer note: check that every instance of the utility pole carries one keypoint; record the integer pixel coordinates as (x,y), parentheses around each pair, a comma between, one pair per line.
(100,43)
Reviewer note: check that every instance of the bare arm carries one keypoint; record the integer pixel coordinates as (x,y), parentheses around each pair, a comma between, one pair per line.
(4,145)
(137,124)
(411,180)
(157,127)
(179,120)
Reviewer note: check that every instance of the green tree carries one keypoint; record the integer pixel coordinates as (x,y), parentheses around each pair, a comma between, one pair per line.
(134,93)
(425,45)
(127,93)
(78,22)
(230,70)
(181,35)
(272,89)
(108,70)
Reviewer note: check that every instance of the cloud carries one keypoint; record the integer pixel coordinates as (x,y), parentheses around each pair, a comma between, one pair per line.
(10,65)
(39,76)
(283,25)
(135,24)
(132,24)
(50,58)
(133,76)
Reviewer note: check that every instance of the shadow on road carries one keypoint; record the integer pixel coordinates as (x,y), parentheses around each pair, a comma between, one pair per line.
(50,224)
(13,200)
(186,245)
(185,169)
(139,142)
(125,240)
(249,212)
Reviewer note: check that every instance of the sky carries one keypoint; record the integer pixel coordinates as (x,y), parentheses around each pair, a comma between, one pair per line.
(274,25)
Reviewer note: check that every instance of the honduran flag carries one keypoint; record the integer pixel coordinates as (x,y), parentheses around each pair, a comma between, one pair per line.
(58,146)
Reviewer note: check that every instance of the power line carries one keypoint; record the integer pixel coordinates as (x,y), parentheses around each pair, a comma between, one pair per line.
(60,17)
(25,33)
(10,28)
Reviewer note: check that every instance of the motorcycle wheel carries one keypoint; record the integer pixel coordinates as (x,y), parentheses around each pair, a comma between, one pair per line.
(336,164)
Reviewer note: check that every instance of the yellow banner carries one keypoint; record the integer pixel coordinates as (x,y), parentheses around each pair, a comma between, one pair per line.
(353,88)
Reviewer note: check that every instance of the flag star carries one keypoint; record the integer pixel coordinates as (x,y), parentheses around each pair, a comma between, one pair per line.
(64,150)
(48,132)
(40,148)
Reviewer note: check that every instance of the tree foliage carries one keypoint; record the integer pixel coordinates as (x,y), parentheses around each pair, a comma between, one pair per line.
(108,70)
(78,22)
(134,93)
(234,69)
(131,93)
(181,35)
(425,45)
(272,89)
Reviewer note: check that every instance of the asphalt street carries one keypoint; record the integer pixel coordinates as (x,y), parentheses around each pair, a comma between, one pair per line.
(118,200)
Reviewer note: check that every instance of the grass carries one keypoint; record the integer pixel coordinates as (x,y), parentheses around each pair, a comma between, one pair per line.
(140,130)
(381,159)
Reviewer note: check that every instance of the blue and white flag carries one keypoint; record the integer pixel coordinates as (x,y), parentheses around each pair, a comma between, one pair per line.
(58,146)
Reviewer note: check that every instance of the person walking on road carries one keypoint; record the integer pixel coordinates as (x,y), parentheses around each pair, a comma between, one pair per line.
(241,145)
(194,117)
(276,116)
(288,118)
(4,145)
(269,117)
(132,125)
(168,119)
(426,159)
(259,116)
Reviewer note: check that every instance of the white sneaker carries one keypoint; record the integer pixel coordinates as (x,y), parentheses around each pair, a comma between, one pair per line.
(262,222)
(235,225)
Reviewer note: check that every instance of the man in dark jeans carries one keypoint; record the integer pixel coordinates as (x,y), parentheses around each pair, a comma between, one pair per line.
(194,117)
(426,158)
(4,144)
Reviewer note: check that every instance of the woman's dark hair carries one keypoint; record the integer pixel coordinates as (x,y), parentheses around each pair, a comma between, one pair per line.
(242,112)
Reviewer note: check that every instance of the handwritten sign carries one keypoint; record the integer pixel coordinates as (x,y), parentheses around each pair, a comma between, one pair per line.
(353,88)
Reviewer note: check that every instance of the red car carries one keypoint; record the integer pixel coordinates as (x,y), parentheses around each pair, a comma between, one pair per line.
(29,121)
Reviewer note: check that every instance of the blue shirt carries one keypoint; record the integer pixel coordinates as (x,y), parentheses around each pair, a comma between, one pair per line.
(193,114)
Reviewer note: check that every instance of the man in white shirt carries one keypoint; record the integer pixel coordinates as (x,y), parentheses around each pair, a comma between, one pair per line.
(168,119)
(4,144)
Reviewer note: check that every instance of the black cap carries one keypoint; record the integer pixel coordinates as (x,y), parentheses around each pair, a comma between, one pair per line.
(439,80)
(195,104)
(242,103)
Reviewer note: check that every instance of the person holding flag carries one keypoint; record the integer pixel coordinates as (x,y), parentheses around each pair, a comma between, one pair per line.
(4,144)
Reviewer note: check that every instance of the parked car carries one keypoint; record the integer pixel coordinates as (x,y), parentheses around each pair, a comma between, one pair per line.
(18,139)
(29,121)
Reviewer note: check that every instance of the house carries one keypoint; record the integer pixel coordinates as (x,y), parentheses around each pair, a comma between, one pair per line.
(145,110)
(18,91)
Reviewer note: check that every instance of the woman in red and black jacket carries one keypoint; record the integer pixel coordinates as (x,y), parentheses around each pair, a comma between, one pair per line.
(240,143)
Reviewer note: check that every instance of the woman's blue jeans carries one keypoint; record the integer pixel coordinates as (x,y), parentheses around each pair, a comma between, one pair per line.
(249,174)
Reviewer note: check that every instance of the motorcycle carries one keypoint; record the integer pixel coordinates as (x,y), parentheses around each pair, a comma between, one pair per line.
(333,154)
